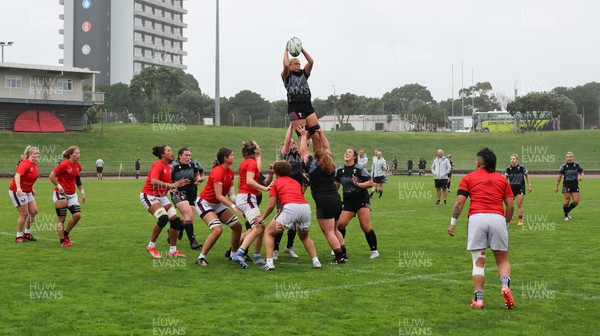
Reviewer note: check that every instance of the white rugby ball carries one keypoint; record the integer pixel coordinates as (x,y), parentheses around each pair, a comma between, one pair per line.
(294,46)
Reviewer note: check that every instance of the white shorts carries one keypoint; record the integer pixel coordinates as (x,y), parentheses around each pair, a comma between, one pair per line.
(294,214)
(487,230)
(71,199)
(248,205)
(203,207)
(148,200)
(20,200)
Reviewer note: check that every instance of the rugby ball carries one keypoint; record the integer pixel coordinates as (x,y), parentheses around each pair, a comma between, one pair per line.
(294,46)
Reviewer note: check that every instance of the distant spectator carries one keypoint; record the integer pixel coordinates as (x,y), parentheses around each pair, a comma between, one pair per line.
(409,166)
(440,170)
(422,166)
(362,158)
(138,167)
(99,168)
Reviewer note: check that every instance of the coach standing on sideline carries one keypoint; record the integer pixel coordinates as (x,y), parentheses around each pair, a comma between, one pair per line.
(440,169)
(488,222)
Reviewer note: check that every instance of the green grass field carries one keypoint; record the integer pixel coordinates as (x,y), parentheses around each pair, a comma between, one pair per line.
(107,284)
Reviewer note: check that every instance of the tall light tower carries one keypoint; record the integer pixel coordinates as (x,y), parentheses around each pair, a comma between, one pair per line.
(217,76)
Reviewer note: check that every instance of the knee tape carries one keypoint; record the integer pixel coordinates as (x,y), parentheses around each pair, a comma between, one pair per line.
(61,212)
(171,212)
(313,129)
(476,269)
(159,213)
(213,223)
(232,221)
(75,209)
(176,224)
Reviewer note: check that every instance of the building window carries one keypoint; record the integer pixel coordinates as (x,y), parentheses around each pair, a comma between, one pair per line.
(65,84)
(139,22)
(137,67)
(13,82)
(138,37)
(138,52)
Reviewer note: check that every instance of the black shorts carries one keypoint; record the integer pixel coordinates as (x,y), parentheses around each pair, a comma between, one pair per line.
(378,179)
(353,204)
(99,170)
(570,189)
(184,195)
(441,183)
(329,207)
(518,190)
(299,111)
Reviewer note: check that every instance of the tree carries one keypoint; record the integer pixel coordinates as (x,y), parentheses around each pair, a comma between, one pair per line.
(586,98)
(479,97)
(155,89)
(247,105)
(399,99)
(535,107)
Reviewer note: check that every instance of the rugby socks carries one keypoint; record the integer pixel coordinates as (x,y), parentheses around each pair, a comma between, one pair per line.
(240,252)
(278,237)
(291,234)
(270,261)
(188,226)
(19,234)
(152,244)
(380,193)
(478,295)
(371,240)
(27,230)
(505,281)
(338,254)
(520,217)
(572,206)
(343,232)
(172,249)
(566,209)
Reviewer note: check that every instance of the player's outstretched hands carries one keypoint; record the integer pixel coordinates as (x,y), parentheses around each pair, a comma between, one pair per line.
(302,130)
(451,230)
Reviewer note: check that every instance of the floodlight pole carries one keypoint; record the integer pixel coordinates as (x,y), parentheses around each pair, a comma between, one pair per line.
(217,75)
(5,44)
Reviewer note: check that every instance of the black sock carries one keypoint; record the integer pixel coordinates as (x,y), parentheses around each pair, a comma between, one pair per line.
(520,217)
(338,254)
(572,206)
(371,240)
(188,226)
(278,237)
(66,233)
(291,234)
(62,240)
(478,295)
(343,232)
(566,209)
(343,247)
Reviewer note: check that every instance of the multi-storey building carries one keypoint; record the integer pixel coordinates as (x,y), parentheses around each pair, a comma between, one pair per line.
(120,38)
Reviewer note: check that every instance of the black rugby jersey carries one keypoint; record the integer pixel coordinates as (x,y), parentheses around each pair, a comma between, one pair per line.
(344,175)
(570,171)
(186,171)
(516,175)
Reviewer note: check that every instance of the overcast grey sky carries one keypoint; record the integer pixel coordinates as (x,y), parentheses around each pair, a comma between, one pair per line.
(364,47)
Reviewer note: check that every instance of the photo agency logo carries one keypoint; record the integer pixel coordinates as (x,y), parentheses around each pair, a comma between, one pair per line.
(168,123)
(167,326)
(44,291)
(414,55)
(534,84)
(44,86)
(536,154)
(537,291)
(291,18)
(413,327)
(49,154)
(537,19)
(414,259)
(537,223)
(413,190)
(165,54)
(44,222)
(290,291)
(168,262)
(45,19)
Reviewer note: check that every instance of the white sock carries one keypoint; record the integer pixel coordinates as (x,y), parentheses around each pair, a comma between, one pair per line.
(19,234)
(27,230)
(270,261)
(172,248)
(152,244)
(315,259)
(201,256)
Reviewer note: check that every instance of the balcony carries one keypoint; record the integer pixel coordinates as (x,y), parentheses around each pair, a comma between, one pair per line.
(50,95)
